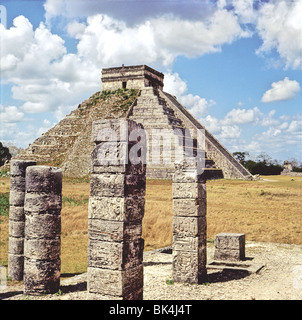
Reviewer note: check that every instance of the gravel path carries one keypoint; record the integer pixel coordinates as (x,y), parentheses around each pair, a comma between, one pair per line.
(279,278)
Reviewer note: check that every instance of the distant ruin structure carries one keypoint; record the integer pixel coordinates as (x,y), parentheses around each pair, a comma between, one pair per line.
(168,123)
(131,77)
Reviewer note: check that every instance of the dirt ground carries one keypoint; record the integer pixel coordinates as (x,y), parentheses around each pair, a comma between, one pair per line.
(280,278)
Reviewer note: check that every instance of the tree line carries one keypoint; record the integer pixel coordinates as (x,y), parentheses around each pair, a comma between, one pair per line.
(264,164)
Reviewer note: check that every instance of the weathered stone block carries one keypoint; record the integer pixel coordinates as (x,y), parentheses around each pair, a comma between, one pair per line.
(41,276)
(39,226)
(16,198)
(189,267)
(16,213)
(115,282)
(188,226)
(16,265)
(189,207)
(42,249)
(117,185)
(106,230)
(113,130)
(189,176)
(44,179)
(187,243)
(17,183)
(115,255)
(188,190)
(16,228)
(18,167)
(43,203)
(16,245)
(116,208)
(229,246)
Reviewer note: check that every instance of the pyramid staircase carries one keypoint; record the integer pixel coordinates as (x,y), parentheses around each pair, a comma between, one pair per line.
(169,139)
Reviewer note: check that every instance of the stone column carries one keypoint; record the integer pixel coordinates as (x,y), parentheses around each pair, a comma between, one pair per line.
(189,224)
(42,244)
(17,218)
(115,213)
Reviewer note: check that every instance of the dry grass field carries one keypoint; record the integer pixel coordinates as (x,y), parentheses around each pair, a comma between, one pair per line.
(268,210)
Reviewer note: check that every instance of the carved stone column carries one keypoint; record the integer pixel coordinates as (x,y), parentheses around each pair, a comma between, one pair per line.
(17,218)
(42,244)
(115,213)
(189,224)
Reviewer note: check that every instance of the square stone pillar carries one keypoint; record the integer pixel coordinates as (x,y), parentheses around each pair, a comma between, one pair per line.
(189,224)
(229,246)
(115,212)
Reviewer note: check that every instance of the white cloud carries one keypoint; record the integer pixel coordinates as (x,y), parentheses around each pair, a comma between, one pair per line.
(10,114)
(280,27)
(243,116)
(282,90)
(42,73)
(295,126)
(195,104)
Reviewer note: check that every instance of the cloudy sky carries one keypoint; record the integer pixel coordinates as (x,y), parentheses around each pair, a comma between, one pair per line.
(235,65)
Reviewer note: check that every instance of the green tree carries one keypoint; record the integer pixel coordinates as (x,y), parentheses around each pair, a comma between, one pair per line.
(4,154)
(241,156)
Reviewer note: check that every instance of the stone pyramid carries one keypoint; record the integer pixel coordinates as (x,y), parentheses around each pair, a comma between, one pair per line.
(135,92)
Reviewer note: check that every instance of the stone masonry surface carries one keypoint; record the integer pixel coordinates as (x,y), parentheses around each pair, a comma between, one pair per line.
(189,224)
(42,244)
(17,218)
(115,213)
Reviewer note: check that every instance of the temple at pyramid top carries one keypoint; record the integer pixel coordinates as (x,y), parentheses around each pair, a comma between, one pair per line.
(131,77)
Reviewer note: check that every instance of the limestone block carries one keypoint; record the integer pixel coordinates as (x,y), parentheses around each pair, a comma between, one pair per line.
(38,203)
(117,185)
(18,167)
(16,213)
(16,265)
(16,245)
(113,130)
(42,226)
(44,179)
(229,240)
(189,267)
(115,282)
(187,243)
(41,276)
(17,183)
(229,246)
(16,198)
(189,176)
(116,209)
(188,226)
(189,207)
(115,255)
(128,169)
(16,228)
(110,154)
(42,249)
(188,190)
(106,230)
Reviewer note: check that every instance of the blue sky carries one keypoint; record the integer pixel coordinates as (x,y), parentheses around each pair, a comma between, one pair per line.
(235,65)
